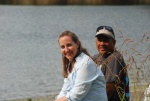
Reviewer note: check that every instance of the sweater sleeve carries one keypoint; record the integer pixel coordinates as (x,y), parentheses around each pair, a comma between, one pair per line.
(66,87)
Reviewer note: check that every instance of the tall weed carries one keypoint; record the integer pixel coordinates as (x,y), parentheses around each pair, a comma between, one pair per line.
(137,57)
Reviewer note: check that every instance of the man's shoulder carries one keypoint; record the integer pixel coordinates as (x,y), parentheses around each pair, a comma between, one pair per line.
(116,54)
(95,56)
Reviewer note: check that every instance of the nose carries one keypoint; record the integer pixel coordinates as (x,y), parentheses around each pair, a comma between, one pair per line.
(66,49)
(101,42)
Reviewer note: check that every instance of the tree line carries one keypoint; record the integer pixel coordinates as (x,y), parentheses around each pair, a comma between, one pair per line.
(74,2)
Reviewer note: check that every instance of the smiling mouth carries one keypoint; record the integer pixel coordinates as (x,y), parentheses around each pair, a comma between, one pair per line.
(102,49)
(68,54)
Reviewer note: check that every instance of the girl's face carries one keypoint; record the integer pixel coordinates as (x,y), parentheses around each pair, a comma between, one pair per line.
(68,47)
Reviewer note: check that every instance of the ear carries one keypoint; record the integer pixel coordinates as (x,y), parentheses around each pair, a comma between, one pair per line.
(114,42)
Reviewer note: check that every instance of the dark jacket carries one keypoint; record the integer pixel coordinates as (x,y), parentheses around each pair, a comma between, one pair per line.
(115,71)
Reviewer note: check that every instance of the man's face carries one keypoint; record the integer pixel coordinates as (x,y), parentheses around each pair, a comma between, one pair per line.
(105,44)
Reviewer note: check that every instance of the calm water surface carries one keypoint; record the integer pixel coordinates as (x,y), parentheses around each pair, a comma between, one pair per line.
(30,58)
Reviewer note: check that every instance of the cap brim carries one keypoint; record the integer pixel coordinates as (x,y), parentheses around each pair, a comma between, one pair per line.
(103,34)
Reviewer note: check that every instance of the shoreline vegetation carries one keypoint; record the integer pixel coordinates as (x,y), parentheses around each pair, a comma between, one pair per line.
(75,2)
(137,62)
(38,98)
(137,90)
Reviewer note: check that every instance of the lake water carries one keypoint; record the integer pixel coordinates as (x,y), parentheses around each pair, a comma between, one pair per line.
(30,58)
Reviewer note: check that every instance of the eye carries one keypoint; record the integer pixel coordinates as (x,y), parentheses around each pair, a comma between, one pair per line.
(62,47)
(104,39)
(69,44)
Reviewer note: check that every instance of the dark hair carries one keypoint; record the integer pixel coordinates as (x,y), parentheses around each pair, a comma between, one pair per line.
(80,50)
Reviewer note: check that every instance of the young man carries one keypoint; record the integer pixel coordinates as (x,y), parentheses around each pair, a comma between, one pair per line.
(112,65)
